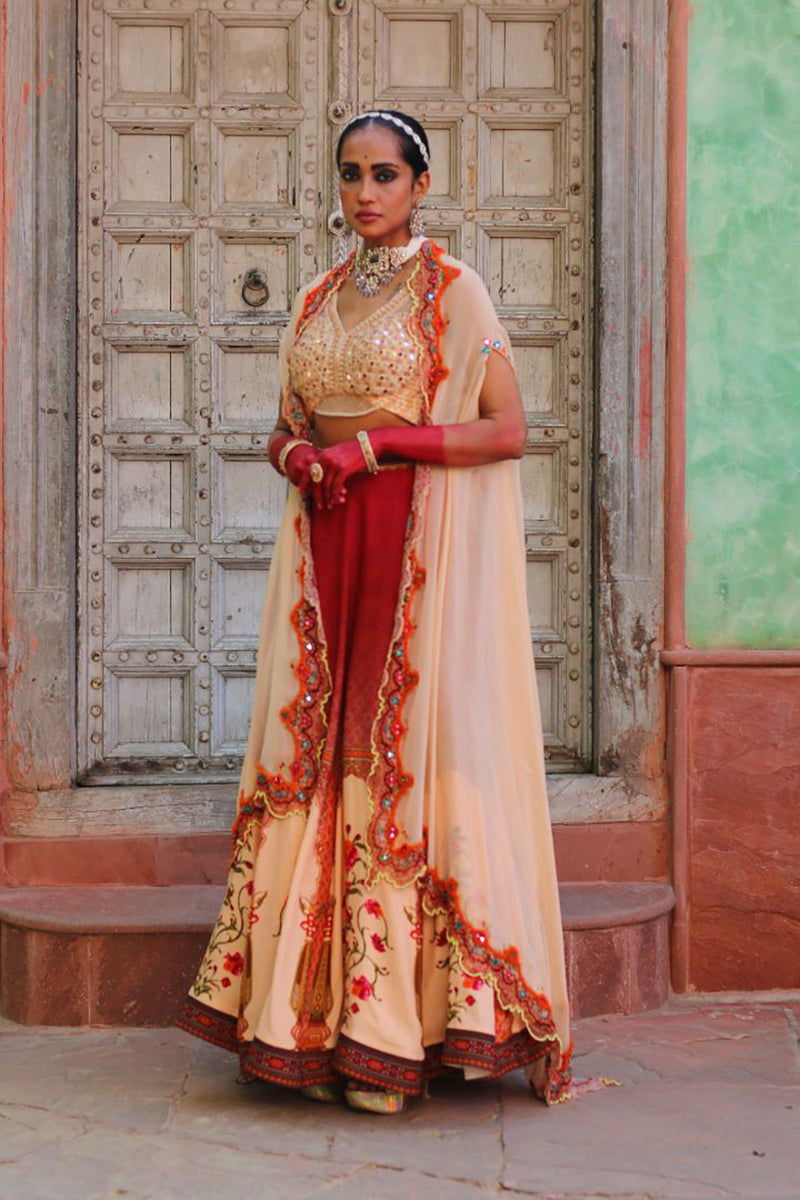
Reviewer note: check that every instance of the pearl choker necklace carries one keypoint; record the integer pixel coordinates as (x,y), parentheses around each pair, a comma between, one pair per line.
(372,269)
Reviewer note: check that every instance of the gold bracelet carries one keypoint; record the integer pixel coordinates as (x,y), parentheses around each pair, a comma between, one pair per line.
(286,450)
(368,452)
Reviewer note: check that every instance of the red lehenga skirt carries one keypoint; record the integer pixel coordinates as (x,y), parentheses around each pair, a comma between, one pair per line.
(386,1000)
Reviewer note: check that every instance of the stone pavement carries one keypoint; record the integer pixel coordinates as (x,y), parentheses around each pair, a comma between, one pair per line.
(709,1107)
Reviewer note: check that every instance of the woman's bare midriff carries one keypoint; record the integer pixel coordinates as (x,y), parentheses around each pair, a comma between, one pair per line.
(329,431)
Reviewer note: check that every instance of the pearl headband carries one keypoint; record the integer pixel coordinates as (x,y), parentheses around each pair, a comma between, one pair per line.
(386,116)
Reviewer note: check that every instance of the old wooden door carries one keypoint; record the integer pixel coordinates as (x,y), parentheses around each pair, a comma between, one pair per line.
(207,130)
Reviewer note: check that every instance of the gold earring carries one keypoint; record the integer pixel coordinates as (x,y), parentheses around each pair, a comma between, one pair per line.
(341,231)
(416,222)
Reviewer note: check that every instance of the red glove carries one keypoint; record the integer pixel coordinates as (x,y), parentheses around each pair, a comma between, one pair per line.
(412,444)
(339,462)
(297,465)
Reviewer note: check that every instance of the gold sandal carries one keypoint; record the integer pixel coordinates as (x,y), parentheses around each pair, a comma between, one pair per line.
(376,1100)
(325,1093)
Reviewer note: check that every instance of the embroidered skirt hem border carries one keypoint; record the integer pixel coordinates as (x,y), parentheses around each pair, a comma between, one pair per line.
(301,1068)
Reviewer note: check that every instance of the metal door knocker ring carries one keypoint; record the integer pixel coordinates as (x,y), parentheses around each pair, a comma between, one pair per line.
(254,289)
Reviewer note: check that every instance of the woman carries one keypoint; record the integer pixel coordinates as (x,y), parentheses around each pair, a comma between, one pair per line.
(392,908)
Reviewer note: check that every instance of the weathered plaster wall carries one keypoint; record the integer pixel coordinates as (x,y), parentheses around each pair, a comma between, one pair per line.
(743,325)
(38,548)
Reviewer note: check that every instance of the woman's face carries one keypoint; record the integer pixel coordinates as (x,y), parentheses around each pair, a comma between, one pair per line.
(377,186)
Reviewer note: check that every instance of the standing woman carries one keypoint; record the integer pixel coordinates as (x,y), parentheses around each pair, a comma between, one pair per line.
(392,908)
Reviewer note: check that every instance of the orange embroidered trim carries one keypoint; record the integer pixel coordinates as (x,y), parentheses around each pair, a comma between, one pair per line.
(487,346)
(501,969)
(318,295)
(305,720)
(389,782)
(437,278)
(298,418)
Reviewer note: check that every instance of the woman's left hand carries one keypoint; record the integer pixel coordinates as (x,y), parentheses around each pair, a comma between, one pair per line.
(339,463)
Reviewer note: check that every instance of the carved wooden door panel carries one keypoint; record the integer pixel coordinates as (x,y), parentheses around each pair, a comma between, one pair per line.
(201,182)
(207,130)
(504,91)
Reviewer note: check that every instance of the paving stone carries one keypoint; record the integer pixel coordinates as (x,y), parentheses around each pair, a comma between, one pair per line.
(375,1183)
(106,1163)
(213,1105)
(128,1079)
(709,1109)
(24,1132)
(455,1134)
(657,1140)
(699,1045)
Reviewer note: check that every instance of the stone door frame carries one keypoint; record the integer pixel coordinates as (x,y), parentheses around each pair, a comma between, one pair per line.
(41,601)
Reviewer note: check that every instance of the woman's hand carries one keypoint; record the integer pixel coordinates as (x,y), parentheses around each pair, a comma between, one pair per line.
(339,462)
(297,465)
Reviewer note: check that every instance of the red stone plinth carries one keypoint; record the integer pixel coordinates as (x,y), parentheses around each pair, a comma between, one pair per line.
(616,938)
(100,956)
(126,955)
(744,836)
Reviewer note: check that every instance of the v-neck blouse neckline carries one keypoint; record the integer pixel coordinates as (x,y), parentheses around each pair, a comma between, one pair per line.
(399,291)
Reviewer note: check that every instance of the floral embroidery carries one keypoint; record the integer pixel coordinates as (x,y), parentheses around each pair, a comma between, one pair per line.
(455,1004)
(361,987)
(231,928)
(233,963)
(365,929)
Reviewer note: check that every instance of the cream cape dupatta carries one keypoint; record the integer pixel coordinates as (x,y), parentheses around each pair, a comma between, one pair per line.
(466,774)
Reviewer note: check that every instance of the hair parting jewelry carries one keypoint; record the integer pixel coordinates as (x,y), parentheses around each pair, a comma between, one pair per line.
(406,128)
(368,452)
(286,450)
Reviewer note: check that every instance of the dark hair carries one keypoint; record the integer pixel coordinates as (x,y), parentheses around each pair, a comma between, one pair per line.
(409,149)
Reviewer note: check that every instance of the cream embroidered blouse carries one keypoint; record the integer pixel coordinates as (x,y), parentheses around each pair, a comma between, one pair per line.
(377,364)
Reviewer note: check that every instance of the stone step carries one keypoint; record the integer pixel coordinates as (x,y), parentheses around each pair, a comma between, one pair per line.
(122,955)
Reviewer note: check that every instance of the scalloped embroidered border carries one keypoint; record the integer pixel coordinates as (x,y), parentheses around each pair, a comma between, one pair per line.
(318,295)
(400,864)
(304,717)
(501,970)
(300,424)
(438,279)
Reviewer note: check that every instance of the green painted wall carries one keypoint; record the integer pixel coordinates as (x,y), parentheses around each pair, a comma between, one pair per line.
(743,324)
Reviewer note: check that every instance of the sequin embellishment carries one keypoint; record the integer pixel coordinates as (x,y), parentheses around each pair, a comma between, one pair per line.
(376,364)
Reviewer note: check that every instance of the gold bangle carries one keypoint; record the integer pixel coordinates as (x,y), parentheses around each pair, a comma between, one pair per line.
(286,450)
(368,452)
